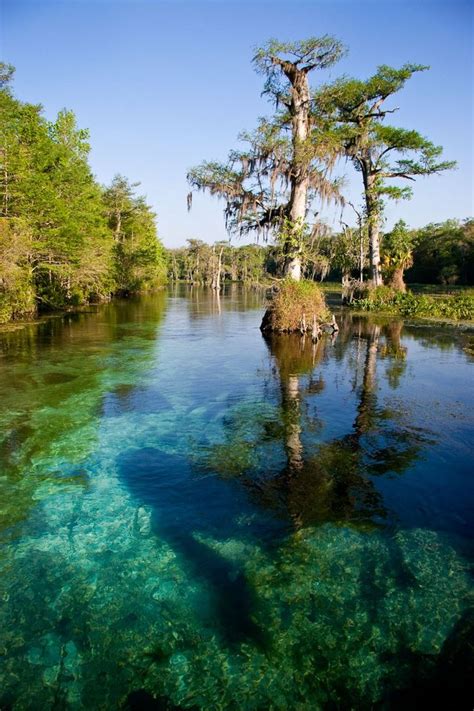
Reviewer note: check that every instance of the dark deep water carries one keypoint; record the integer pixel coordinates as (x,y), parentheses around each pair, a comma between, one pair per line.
(193,513)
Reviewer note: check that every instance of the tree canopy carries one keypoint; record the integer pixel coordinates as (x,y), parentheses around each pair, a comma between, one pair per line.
(57,240)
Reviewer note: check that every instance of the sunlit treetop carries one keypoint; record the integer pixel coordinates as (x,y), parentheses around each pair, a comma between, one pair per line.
(275,59)
(358,111)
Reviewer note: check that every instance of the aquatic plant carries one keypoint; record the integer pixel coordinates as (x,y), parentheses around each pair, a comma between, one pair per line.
(459,307)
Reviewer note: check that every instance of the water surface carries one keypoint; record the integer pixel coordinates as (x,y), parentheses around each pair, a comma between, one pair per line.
(194,516)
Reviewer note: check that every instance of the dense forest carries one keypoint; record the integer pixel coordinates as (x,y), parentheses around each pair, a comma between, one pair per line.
(65,240)
(435,254)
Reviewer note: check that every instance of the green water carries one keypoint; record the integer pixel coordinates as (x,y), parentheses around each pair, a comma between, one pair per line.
(193,516)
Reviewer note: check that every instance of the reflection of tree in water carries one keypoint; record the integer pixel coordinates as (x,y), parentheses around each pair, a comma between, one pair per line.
(334,480)
(203,301)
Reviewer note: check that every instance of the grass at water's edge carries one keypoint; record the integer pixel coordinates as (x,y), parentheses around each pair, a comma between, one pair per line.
(449,306)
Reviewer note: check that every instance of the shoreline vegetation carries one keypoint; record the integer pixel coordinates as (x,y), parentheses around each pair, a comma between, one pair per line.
(333,304)
(283,172)
(65,240)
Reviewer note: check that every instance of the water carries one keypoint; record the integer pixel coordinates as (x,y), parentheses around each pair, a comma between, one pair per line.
(196,517)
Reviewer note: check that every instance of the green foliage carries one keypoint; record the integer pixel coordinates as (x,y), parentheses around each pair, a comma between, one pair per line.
(444,253)
(258,181)
(291,236)
(439,253)
(346,249)
(197,263)
(16,282)
(357,114)
(459,307)
(309,54)
(62,252)
(397,252)
(379,298)
(6,74)
(139,258)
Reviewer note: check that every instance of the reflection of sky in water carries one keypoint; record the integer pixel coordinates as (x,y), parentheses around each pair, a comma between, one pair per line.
(192,512)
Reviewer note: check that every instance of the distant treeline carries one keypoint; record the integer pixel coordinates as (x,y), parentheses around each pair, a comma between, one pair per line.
(65,240)
(439,253)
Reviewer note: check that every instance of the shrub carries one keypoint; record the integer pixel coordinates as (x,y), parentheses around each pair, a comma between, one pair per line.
(293,301)
(383,298)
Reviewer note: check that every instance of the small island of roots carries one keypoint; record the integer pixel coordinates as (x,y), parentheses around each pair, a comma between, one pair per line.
(298,306)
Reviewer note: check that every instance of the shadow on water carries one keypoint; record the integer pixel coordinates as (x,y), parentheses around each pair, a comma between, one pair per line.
(443,681)
(185,506)
(334,479)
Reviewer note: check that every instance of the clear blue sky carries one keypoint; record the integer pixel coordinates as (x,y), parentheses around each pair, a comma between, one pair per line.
(164,85)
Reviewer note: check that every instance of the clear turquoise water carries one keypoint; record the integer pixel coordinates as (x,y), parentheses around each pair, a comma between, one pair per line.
(196,517)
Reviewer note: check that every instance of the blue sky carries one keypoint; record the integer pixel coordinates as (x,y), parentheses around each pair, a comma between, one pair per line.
(164,85)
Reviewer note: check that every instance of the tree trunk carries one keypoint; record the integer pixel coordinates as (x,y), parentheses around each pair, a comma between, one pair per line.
(299,109)
(397,282)
(373,220)
(293,268)
(118,225)
(217,268)
(374,242)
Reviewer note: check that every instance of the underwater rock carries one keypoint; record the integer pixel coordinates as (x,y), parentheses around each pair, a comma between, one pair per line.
(142,522)
(167,590)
